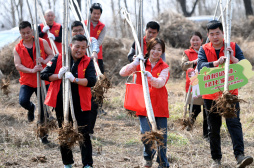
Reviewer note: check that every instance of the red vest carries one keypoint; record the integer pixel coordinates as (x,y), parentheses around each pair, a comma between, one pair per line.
(159,96)
(95,32)
(84,92)
(29,79)
(211,56)
(192,55)
(55,29)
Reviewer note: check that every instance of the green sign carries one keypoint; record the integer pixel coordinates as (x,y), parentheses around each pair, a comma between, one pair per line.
(211,80)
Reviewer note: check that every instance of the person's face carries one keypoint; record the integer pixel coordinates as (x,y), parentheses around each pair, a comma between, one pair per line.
(78,30)
(191,74)
(50,18)
(96,15)
(215,36)
(26,33)
(78,49)
(195,42)
(151,33)
(156,52)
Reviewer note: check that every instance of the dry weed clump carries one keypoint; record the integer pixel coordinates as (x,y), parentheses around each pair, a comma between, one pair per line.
(153,138)
(101,87)
(7,64)
(225,105)
(115,52)
(176,29)
(68,136)
(4,84)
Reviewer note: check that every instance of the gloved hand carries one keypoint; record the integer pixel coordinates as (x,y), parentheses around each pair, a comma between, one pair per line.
(68,75)
(50,35)
(138,58)
(148,74)
(61,72)
(45,28)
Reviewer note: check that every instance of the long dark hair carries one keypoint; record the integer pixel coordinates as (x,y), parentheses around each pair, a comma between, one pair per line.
(196,33)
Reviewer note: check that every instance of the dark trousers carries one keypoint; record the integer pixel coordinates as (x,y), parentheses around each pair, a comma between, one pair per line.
(196,110)
(101,66)
(234,128)
(93,115)
(83,121)
(25,94)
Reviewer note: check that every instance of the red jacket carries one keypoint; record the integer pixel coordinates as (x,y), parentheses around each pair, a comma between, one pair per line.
(211,56)
(95,32)
(192,55)
(159,96)
(29,79)
(55,31)
(84,92)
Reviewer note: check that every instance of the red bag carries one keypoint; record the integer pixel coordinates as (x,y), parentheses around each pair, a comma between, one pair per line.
(134,97)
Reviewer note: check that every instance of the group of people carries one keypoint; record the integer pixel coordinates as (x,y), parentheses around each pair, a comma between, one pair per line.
(82,76)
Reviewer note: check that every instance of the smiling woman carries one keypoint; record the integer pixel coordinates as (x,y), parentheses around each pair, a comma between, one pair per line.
(157,72)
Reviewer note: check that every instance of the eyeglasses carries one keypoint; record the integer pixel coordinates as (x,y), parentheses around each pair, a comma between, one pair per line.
(96,5)
(78,30)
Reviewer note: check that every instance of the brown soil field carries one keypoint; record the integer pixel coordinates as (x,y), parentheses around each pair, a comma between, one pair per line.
(116,141)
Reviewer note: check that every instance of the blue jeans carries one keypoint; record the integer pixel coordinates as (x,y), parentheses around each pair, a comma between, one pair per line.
(149,153)
(234,128)
(25,94)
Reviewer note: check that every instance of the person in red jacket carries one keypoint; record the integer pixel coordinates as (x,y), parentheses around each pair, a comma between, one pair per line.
(157,72)
(25,62)
(211,55)
(98,31)
(189,60)
(82,77)
(54,28)
(152,31)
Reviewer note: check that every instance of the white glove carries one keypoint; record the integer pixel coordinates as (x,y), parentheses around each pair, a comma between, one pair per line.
(68,75)
(50,35)
(137,59)
(45,29)
(61,72)
(148,74)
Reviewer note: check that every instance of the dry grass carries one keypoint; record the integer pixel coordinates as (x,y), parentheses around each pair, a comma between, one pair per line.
(117,139)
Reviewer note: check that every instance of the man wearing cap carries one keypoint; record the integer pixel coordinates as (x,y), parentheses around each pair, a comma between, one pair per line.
(211,55)
(82,77)
(152,30)
(25,62)
(55,30)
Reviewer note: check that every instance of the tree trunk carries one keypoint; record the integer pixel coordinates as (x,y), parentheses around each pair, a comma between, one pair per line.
(76,9)
(114,18)
(13,13)
(158,7)
(184,8)
(248,7)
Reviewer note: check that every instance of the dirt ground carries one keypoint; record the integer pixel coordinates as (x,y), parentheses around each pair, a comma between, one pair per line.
(116,141)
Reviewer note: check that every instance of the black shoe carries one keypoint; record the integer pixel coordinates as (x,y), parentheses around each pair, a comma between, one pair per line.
(30,114)
(243,161)
(45,140)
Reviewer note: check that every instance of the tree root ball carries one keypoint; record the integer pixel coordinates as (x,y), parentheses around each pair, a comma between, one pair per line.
(52,124)
(42,130)
(68,136)
(131,113)
(102,85)
(186,122)
(225,105)
(153,138)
